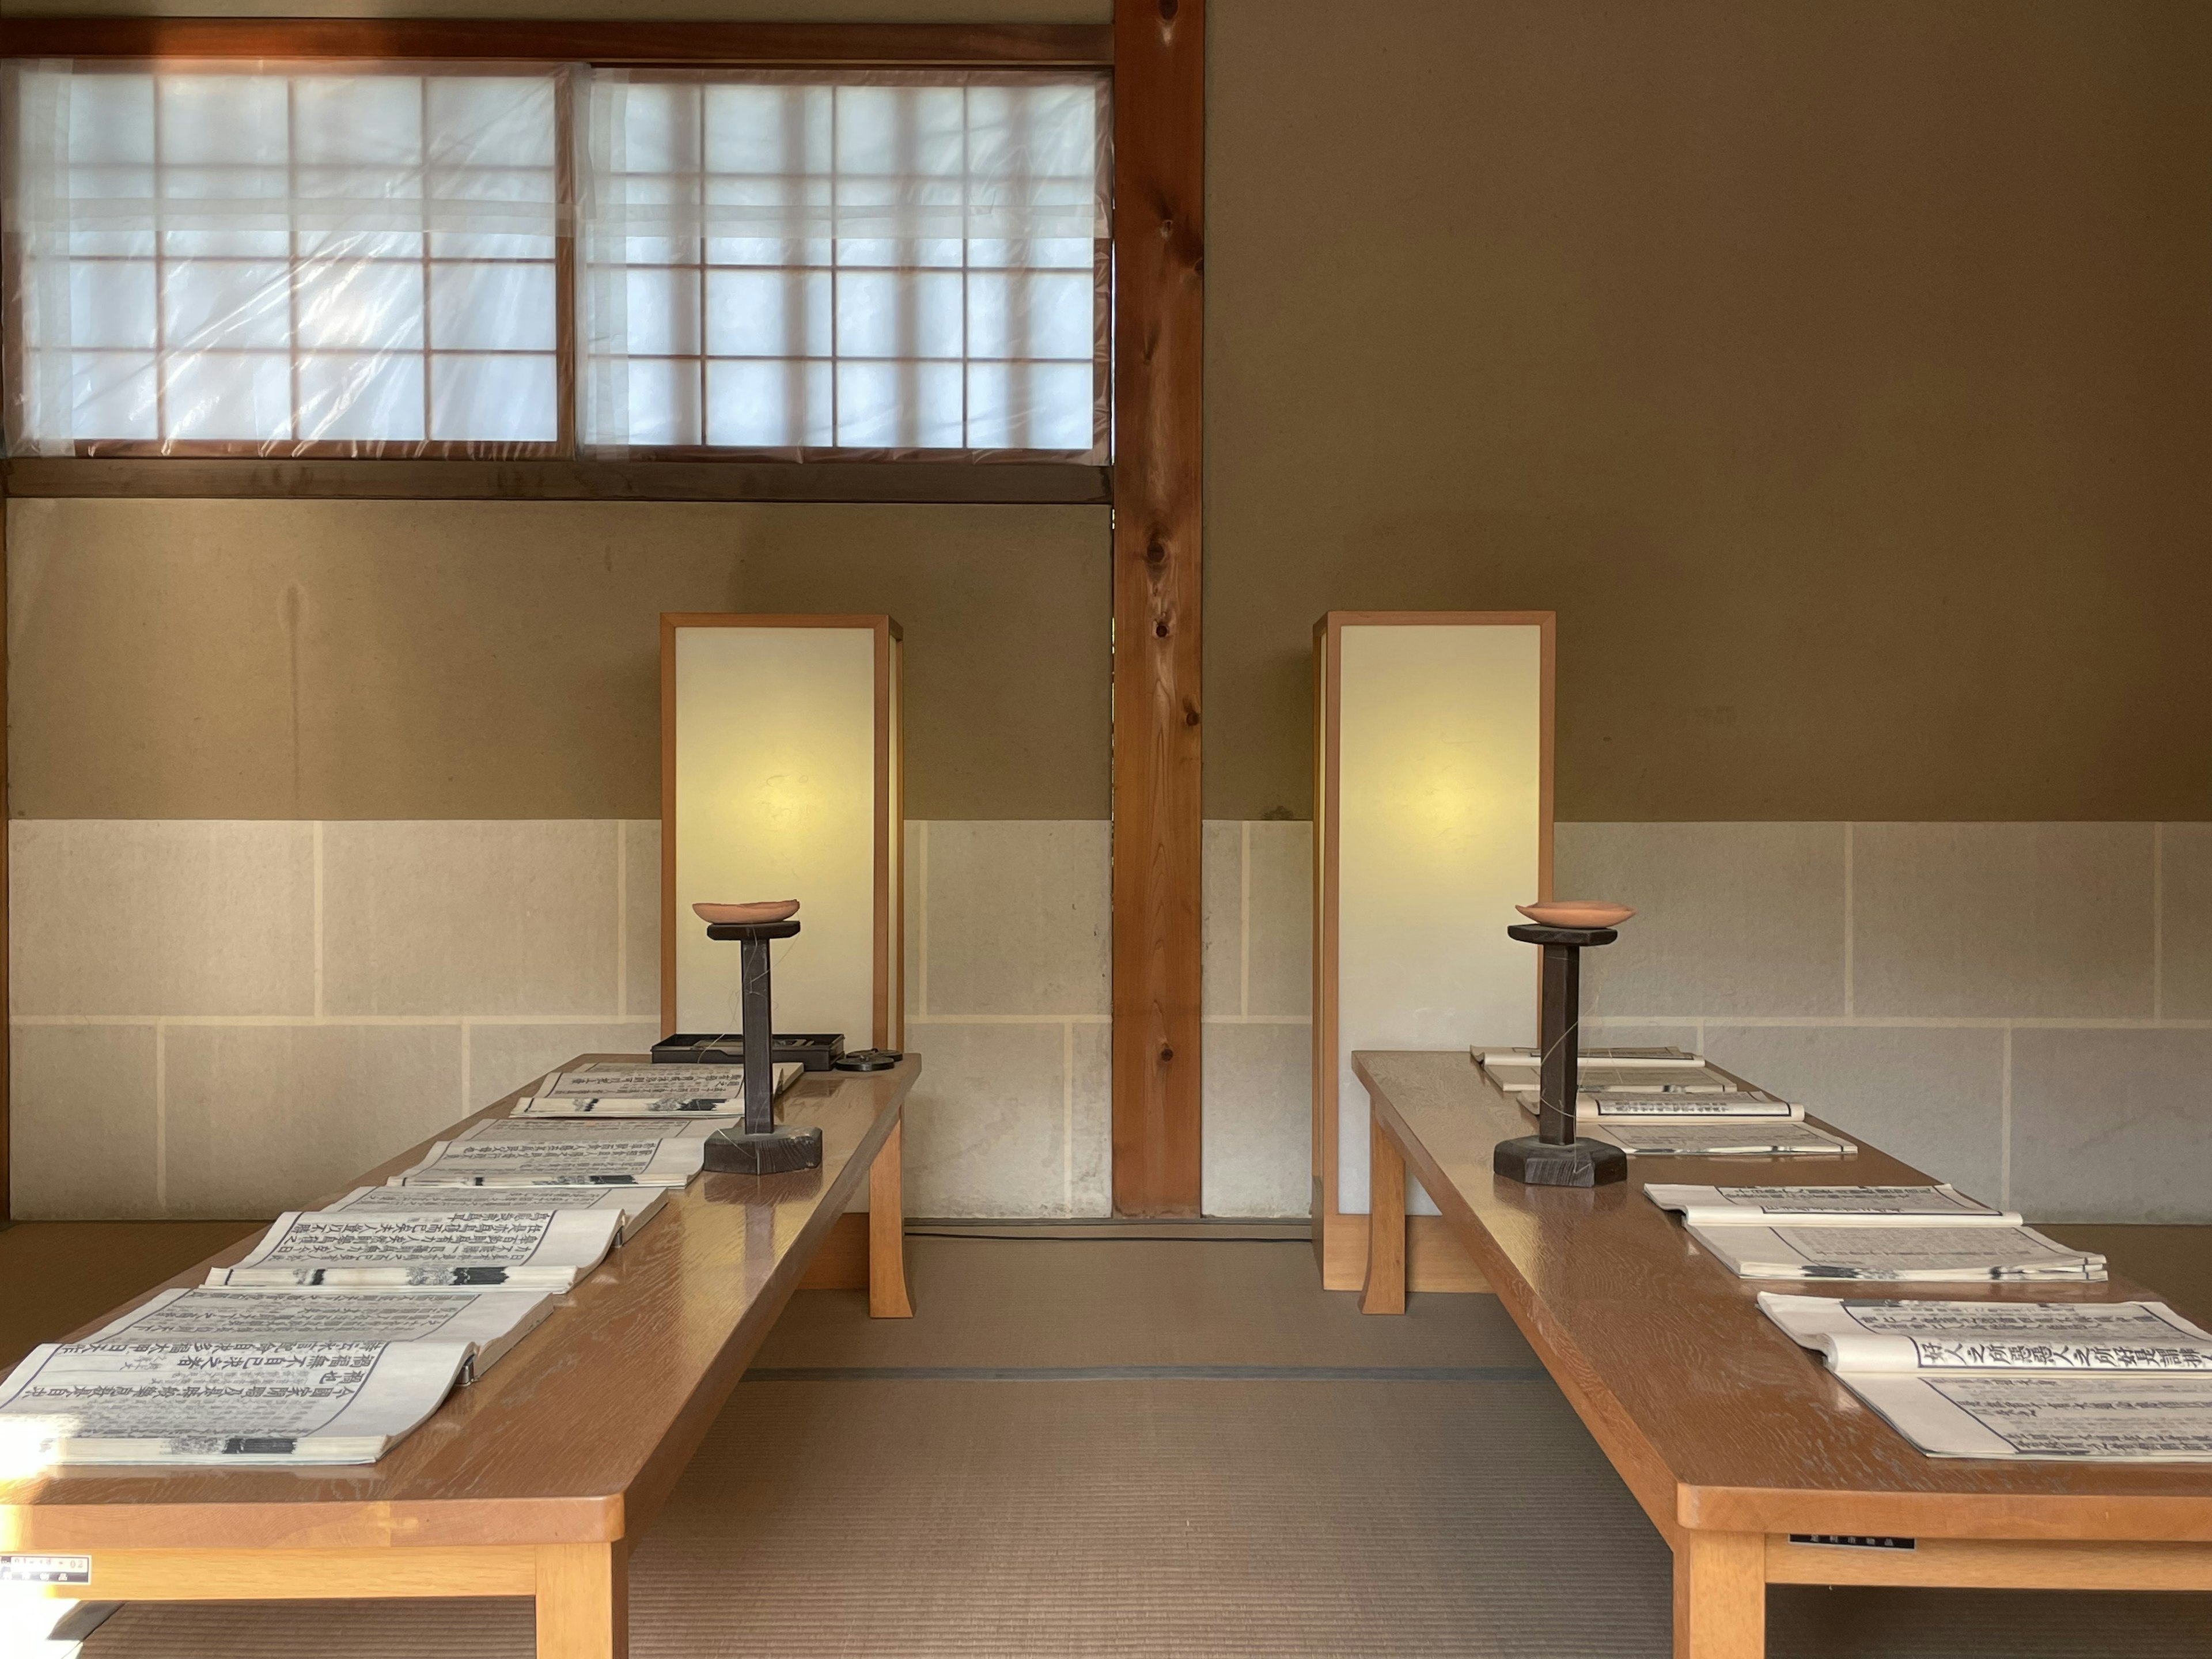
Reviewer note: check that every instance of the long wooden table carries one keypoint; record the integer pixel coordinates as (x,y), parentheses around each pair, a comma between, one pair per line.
(536,1480)
(1734,1439)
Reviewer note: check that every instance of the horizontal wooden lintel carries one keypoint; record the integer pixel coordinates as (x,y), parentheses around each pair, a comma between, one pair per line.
(1017,46)
(1044,483)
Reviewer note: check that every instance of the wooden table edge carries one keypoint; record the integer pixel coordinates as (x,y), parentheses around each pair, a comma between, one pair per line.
(436,1525)
(1731,1543)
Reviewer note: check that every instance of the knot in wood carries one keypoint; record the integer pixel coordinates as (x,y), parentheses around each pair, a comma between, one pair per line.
(1167,8)
(1167,1053)
(1156,551)
(1189,713)
(1160,628)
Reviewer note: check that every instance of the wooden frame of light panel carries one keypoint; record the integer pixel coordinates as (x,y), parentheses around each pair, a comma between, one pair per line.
(1435,1259)
(888,999)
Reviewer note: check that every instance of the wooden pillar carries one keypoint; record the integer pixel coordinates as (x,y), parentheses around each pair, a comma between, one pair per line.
(1159,131)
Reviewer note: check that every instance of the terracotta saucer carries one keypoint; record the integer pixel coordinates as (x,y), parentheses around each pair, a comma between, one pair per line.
(1575,913)
(753,910)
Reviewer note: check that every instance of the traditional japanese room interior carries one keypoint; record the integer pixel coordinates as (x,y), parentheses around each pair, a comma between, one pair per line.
(1107,827)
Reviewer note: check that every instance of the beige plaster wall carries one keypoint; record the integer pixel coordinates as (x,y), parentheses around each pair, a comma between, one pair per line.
(489,659)
(1840,372)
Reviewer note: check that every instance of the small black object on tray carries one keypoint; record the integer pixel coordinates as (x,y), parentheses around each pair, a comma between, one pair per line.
(870,1059)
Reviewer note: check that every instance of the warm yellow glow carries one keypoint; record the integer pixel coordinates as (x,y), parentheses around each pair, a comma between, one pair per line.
(1439,820)
(776,797)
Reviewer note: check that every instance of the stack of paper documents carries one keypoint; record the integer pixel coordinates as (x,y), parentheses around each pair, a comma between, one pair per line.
(1759,1137)
(2117,1382)
(612,1089)
(635,1204)
(1902,1255)
(490,1321)
(220,1402)
(1895,1233)
(523,1249)
(565,1152)
(1834,1207)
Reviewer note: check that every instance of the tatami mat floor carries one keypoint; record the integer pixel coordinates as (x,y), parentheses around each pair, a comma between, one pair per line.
(1126,1447)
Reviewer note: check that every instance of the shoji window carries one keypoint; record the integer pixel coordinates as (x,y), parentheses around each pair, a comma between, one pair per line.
(225,258)
(378,260)
(892,264)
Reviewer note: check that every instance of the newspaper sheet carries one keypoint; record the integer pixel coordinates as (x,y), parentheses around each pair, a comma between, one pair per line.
(221,1402)
(1855,1335)
(490,1321)
(612,1077)
(587,1128)
(544,1249)
(2113,1419)
(640,1158)
(1768,1138)
(1834,1207)
(1661,1056)
(635,1204)
(1605,1077)
(1683,1108)
(2009,1254)
(670,1103)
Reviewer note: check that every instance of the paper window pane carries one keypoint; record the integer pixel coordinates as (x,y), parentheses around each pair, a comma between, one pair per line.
(1030,406)
(232,395)
(907,406)
(661,311)
(357,126)
(112,395)
(111,303)
(1035,314)
(111,120)
(658,399)
(491,307)
(490,121)
(769,405)
(842,231)
(361,398)
(768,313)
(220,304)
(769,131)
(493,399)
(880,314)
(370,306)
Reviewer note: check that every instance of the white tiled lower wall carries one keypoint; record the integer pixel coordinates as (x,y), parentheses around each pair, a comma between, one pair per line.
(2025,1009)
(218,1018)
(222,1019)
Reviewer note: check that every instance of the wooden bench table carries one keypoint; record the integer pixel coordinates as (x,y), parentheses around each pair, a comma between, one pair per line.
(536,1480)
(1731,1436)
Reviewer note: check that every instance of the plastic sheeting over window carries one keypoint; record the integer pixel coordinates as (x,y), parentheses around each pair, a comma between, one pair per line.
(889,263)
(376,259)
(355,260)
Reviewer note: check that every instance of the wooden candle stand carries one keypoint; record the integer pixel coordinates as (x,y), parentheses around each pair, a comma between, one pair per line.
(760,1146)
(1554,1156)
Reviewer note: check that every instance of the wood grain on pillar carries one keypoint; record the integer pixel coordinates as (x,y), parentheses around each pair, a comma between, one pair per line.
(1159,109)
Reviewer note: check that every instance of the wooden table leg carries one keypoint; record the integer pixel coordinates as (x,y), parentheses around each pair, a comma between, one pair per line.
(887,1297)
(1385,1290)
(583,1601)
(1720,1596)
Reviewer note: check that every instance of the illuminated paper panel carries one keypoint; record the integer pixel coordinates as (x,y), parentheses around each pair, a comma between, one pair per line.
(1435,820)
(783,754)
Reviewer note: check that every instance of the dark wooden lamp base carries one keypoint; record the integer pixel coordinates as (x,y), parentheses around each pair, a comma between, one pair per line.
(782,1149)
(1535,1162)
